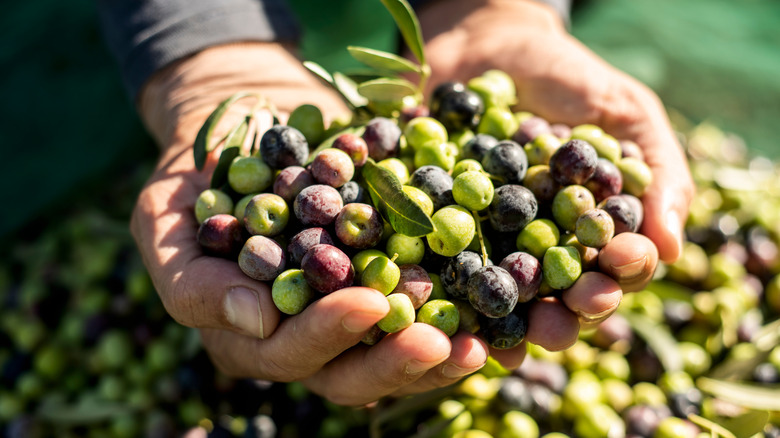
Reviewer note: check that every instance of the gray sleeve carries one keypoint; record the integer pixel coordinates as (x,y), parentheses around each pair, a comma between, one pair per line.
(146,35)
(562,7)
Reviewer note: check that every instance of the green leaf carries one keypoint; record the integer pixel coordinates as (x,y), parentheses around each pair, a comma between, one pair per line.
(308,119)
(715,429)
(390,411)
(345,86)
(386,89)
(233,144)
(736,368)
(219,177)
(403,214)
(658,338)
(87,411)
(383,60)
(407,23)
(768,336)
(746,425)
(319,71)
(203,145)
(668,290)
(349,90)
(753,396)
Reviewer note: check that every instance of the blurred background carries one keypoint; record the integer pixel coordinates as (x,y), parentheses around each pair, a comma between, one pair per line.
(67,120)
(75,156)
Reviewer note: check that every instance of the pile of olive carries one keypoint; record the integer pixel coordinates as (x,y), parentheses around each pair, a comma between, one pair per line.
(462,212)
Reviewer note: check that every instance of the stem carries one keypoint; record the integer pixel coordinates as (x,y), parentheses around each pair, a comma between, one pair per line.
(481,239)
(395,256)
(251,135)
(261,102)
(425,73)
(274,112)
(715,429)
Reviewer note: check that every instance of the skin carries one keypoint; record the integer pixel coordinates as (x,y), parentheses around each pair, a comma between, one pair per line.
(195,288)
(567,83)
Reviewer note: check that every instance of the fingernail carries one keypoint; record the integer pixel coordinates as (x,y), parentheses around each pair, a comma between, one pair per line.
(242,308)
(630,270)
(358,322)
(452,371)
(595,317)
(416,367)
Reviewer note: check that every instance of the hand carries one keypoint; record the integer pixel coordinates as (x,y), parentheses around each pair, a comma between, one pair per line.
(240,327)
(561,80)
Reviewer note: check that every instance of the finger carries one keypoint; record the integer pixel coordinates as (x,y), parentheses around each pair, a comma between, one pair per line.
(364,374)
(667,198)
(510,358)
(469,354)
(666,207)
(304,343)
(196,432)
(552,325)
(630,259)
(593,298)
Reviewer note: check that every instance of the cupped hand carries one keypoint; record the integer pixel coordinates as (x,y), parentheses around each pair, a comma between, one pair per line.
(562,81)
(243,332)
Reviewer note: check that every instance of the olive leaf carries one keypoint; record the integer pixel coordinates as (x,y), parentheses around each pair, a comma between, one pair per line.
(408,25)
(748,395)
(383,60)
(203,144)
(668,290)
(393,410)
(345,86)
(386,89)
(767,336)
(658,338)
(87,411)
(319,71)
(715,429)
(233,143)
(746,425)
(349,89)
(403,214)
(308,119)
(738,367)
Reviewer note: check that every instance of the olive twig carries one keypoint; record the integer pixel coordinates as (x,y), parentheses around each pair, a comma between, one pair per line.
(248,146)
(425,73)
(715,429)
(481,239)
